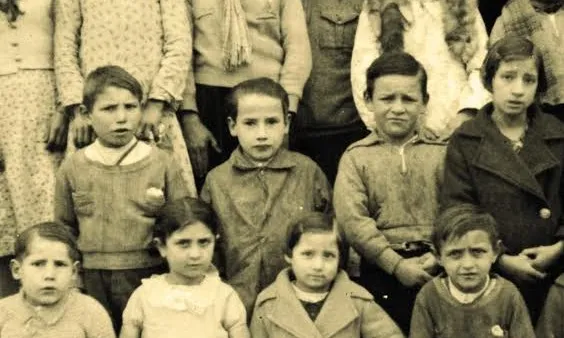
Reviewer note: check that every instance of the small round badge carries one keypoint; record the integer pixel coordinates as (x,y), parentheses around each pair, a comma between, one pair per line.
(545,213)
(497,331)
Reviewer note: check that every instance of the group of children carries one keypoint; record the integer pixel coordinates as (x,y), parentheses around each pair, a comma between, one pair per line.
(266,208)
(259,254)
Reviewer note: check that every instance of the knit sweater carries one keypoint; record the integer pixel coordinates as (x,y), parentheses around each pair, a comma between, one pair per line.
(77,316)
(500,312)
(388,195)
(148,38)
(114,207)
(279,41)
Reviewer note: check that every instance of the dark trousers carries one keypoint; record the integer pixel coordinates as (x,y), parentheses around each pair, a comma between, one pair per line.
(396,299)
(326,150)
(212,108)
(112,288)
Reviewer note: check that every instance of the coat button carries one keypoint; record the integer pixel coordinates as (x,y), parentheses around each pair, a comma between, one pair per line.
(545,213)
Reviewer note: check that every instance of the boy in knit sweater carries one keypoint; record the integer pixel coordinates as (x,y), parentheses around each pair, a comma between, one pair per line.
(112,190)
(467,300)
(257,191)
(387,186)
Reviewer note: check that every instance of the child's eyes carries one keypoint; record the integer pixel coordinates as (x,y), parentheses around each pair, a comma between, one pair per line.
(455,254)
(204,242)
(61,264)
(477,252)
(307,253)
(131,106)
(329,255)
(272,121)
(38,263)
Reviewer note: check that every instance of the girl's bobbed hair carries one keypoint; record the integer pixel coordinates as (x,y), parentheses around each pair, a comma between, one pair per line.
(182,212)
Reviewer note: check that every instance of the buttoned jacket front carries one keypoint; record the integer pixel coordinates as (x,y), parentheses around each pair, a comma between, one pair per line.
(255,205)
(523,191)
(349,311)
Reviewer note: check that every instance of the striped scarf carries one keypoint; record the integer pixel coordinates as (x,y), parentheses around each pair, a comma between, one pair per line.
(459,18)
(11,9)
(236,41)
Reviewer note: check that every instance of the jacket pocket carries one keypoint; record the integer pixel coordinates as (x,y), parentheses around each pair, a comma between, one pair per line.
(83,203)
(338,28)
(151,202)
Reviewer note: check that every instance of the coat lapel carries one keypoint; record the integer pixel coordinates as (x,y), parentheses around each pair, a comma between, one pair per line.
(338,310)
(289,314)
(496,155)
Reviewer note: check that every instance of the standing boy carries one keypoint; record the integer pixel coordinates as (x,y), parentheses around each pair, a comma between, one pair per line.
(387,187)
(112,191)
(260,188)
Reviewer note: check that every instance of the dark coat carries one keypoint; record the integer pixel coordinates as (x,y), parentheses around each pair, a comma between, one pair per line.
(523,191)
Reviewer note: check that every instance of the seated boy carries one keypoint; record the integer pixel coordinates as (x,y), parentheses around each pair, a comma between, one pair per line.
(467,300)
(257,191)
(387,187)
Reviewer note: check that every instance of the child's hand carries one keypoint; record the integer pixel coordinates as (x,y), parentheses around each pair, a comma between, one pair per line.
(543,257)
(429,263)
(149,126)
(81,127)
(57,132)
(410,272)
(198,140)
(520,268)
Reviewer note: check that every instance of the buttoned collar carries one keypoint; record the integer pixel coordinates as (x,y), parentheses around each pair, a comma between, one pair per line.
(281,160)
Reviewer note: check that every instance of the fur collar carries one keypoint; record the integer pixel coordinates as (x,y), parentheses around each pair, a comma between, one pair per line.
(459,18)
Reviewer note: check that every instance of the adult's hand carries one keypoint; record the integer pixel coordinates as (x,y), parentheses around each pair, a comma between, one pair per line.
(152,114)
(198,140)
(81,127)
(57,132)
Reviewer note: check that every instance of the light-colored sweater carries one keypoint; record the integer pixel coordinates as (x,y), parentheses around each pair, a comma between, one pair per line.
(148,38)
(28,42)
(77,316)
(114,207)
(279,41)
(386,194)
(210,309)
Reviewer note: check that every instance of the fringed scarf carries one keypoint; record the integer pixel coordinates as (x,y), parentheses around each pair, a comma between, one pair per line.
(459,18)
(236,40)
(11,9)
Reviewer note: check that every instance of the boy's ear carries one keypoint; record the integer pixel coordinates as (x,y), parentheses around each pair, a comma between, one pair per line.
(83,111)
(231,124)
(288,259)
(15,266)
(160,246)
(497,250)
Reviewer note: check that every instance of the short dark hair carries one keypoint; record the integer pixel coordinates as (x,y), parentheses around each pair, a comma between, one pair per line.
(48,230)
(395,63)
(261,86)
(179,213)
(315,222)
(458,220)
(109,76)
(511,48)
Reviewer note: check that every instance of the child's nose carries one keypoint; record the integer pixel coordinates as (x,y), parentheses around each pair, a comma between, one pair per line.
(194,252)
(49,272)
(121,114)
(261,132)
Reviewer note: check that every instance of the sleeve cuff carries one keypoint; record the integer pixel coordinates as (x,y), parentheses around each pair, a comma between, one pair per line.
(388,260)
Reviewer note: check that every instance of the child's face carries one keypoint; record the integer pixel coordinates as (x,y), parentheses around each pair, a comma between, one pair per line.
(115,116)
(397,103)
(260,126)
(46,273)
(514,86)
(315,261)
(189,253)
(467,260)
